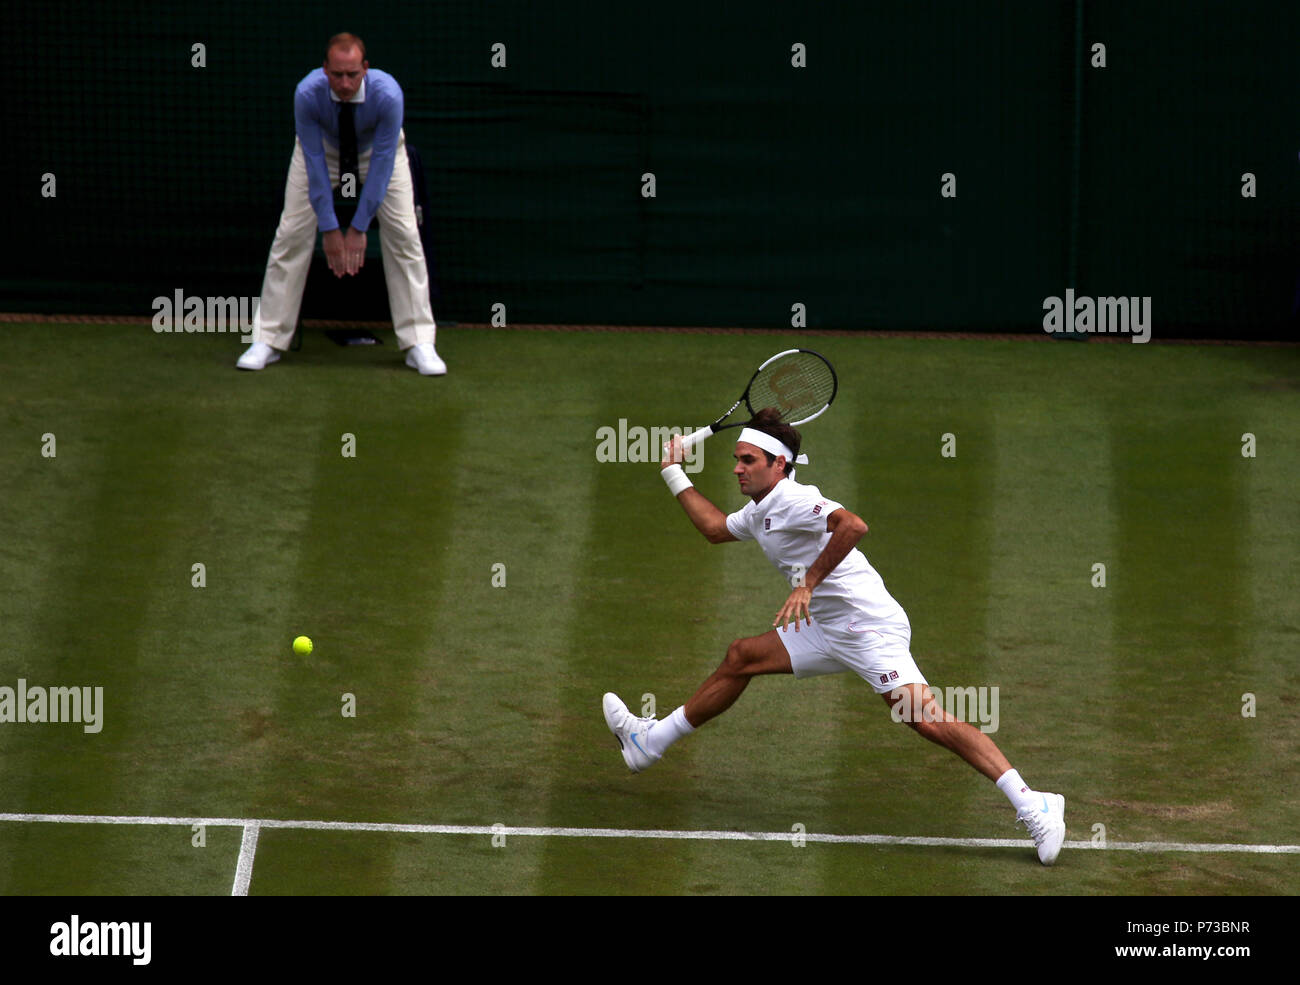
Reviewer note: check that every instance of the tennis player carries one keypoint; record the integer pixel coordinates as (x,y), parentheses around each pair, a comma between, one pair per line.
(838,617)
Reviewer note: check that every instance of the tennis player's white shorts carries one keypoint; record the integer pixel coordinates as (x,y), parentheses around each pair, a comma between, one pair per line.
(881,658)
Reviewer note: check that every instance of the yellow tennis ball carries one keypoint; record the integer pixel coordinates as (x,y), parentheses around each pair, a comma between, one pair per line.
(302,646)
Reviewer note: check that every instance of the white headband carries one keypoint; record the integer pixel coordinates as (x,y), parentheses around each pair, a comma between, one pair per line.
(771,445)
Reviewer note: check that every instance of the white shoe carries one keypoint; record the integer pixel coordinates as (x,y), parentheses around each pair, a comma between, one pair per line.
(1047,826)
(630,732)
(424,357)
(259,355)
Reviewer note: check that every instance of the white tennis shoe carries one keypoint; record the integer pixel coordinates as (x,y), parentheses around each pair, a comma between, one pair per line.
(259,355)
(630,732)
(1046,824)
(424,357)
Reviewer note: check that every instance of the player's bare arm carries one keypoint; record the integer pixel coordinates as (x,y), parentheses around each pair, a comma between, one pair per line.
(846,529)
(708,519)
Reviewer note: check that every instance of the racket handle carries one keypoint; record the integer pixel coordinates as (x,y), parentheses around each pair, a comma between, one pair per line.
(689,441)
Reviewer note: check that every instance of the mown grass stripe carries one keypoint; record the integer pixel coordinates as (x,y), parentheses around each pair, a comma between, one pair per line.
(617,643)
(929,519)
(1181,601)
(517,543)
(1267,673)
(1046,621)
(117,568)
(350,719)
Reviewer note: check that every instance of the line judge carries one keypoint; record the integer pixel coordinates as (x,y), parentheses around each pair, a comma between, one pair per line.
(348,120)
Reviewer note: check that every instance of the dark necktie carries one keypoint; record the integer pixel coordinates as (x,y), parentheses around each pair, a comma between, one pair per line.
(348,147)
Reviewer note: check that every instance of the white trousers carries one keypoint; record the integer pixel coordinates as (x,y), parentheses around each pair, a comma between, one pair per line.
(295,240)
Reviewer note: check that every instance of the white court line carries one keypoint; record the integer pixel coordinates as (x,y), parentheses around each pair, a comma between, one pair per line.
(492,829)
(247,849)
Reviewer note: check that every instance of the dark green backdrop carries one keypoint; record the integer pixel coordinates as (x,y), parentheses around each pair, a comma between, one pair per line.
(775,184)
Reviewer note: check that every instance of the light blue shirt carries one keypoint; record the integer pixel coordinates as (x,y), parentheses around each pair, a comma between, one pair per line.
(378,119)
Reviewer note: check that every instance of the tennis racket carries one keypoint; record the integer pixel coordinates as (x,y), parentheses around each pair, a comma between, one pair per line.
(799,382)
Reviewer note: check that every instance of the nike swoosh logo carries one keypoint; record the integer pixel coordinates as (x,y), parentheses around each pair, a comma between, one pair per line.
(1045,810)
(637,744)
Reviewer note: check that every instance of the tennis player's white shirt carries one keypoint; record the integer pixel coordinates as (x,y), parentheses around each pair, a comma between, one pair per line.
(856,624)
(789,524)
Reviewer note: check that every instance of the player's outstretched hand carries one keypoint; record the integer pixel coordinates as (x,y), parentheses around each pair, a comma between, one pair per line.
(673,453)
(796,606)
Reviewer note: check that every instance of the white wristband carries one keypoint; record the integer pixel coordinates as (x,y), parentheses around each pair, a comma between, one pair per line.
(676,478)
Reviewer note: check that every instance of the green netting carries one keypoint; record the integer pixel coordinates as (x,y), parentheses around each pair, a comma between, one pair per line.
(775,185)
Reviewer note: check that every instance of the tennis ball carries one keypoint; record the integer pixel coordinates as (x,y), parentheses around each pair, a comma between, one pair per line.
(302,646)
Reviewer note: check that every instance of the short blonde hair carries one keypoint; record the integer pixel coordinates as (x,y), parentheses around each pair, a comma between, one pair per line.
(345,40)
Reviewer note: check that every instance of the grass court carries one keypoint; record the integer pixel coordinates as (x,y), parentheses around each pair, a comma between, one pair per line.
(477,703)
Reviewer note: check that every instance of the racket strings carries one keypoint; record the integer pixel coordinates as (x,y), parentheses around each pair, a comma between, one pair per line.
(799,386)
